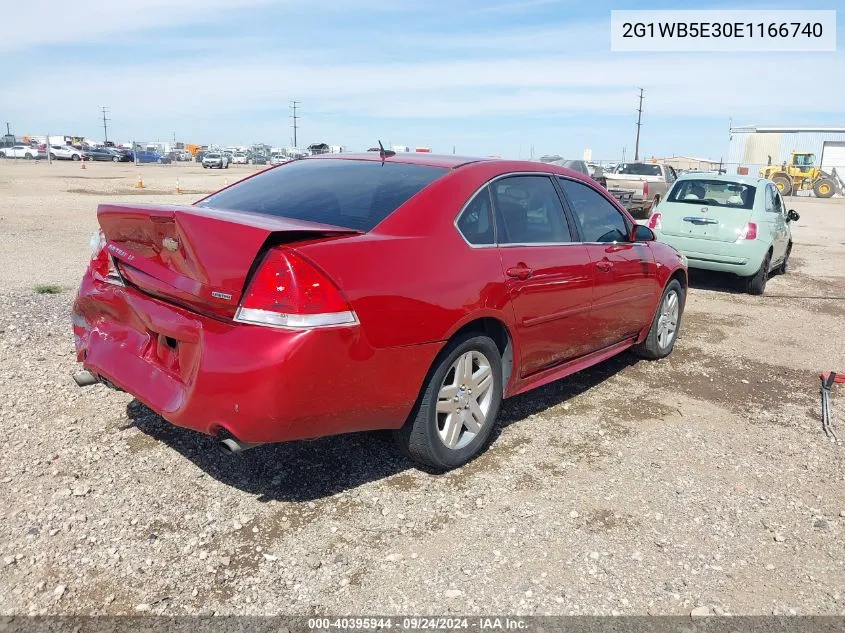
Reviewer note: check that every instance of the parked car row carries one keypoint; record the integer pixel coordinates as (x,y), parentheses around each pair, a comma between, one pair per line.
(234,158)
(70,152)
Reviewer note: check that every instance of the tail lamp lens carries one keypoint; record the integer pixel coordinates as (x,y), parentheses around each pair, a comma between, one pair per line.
(288,291)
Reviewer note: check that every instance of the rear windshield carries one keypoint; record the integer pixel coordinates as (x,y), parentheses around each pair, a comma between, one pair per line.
(714,193)
(353,194)
(639,169)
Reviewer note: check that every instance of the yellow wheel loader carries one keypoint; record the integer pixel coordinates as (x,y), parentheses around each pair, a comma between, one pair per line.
(801,174)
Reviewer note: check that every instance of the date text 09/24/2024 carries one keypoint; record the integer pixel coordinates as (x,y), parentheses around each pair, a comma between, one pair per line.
(418,624)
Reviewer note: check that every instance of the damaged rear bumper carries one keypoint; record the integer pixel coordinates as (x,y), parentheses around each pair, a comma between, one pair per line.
(256,383)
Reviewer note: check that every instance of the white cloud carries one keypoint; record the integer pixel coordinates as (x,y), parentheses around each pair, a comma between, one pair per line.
(36,22)
(692,85)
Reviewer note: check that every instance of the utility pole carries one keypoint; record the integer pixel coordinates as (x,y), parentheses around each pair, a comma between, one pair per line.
(8,130)
(639,125)
(294,118)
(623,155)
(105,125)
(47,146)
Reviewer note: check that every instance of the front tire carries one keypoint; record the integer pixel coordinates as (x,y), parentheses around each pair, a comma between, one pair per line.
(454,416)
(75,157)
(783,183)
(666,324)
(756,284)
(824,188)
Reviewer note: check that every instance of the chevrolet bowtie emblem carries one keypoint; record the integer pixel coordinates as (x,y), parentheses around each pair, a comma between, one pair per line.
(170,243)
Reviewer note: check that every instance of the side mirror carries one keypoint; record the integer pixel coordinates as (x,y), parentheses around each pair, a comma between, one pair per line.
(792,216)
(642,233)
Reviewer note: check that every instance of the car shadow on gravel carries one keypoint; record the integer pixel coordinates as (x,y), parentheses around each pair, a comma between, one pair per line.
(538,400)
(311,470)
(711,280)
(292,471)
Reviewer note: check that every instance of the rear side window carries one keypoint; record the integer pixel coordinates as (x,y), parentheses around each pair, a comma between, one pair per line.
(476,222)
(530,211)
(599,220)
(353,194)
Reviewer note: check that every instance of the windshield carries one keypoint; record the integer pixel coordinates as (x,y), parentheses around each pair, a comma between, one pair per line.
(354,194)
(639,169)
(212,155)
(714,193)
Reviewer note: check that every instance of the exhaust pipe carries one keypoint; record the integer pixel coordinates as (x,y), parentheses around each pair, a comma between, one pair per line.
(231,446)
(85,379)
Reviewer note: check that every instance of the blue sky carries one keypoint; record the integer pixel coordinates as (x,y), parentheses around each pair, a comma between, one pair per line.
(494,77)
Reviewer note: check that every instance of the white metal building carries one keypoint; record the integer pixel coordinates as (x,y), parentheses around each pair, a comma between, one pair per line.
(753,146)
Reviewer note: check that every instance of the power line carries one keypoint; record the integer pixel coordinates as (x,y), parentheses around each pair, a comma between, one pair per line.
(294,119)
(105,124)
(639,125)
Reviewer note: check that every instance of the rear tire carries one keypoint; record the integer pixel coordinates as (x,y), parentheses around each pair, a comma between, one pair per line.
(783,183)
(74,157)
(666,324)
(824,188)
(756,284)
(438,437)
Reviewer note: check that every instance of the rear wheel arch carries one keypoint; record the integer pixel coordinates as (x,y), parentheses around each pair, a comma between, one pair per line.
(500,334)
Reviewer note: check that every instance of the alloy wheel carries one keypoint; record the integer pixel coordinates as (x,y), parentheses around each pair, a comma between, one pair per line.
(464,400)
(667,322)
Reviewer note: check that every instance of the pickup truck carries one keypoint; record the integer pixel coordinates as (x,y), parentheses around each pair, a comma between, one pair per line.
(648,182)
(623,196)
(19,151)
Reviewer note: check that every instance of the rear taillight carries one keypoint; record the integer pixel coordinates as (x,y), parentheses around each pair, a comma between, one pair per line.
(654,221)
(748,232)
(645,188)
(102,263)
(288,291)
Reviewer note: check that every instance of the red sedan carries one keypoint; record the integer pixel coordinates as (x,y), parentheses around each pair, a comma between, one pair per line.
(348,293)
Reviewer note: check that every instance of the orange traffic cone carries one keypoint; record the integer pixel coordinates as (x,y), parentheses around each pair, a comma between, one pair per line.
(140,183)
(177,186)
(82,164)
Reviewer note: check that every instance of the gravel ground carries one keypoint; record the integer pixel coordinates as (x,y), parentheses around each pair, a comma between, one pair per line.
(700,482)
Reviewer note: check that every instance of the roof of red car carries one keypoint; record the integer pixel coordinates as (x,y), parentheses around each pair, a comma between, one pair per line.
(448,161)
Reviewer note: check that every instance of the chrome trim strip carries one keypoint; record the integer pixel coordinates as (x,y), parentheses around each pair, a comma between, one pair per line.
(497,244)
(490,182)
(697,219)
(253,316)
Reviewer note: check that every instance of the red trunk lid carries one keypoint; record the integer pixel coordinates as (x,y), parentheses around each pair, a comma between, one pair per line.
(197,257)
